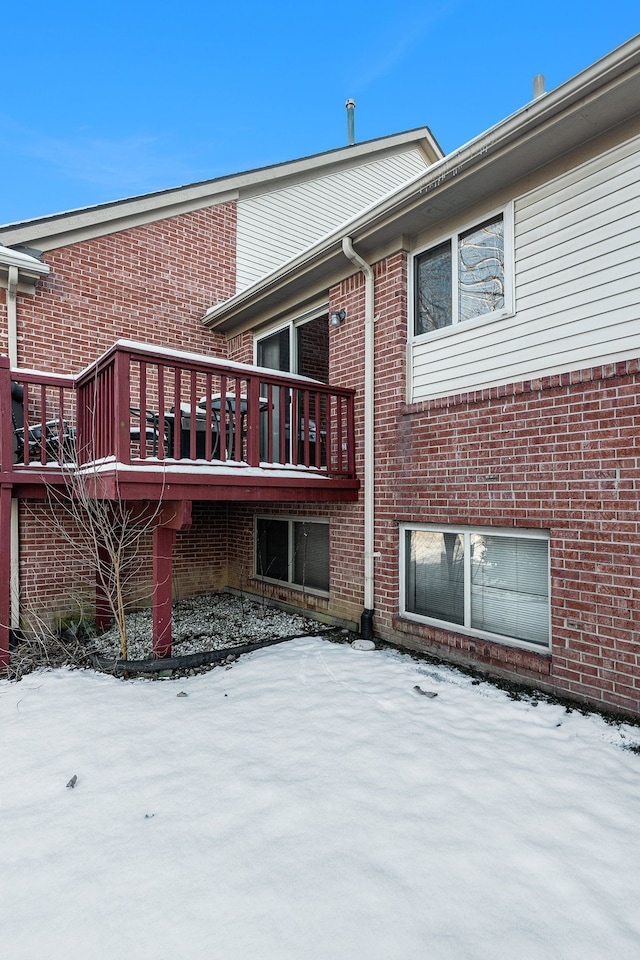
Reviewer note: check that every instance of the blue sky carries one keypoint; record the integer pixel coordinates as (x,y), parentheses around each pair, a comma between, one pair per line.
(113,100)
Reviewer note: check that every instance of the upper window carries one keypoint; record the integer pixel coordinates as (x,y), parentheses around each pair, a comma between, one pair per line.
(462,278)
(488,582)
(297,347)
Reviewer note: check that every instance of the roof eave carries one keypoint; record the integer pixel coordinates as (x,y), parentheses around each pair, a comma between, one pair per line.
(60,229)
(611,87)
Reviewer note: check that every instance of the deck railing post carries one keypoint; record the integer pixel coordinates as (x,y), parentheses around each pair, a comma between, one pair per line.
(253,422)
(121,394)
(81,418)
(351,440)
(6,422)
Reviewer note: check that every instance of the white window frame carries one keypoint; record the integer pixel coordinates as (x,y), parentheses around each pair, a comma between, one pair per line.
(466,628)
(509,286)
(290,583)
(292,324)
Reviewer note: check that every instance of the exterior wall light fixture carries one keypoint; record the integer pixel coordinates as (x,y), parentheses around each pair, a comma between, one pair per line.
(337,317)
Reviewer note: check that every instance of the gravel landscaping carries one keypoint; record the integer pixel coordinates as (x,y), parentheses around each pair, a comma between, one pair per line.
(211,622)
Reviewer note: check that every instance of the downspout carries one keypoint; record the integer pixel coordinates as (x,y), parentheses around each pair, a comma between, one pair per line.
(366,621)
(12,316)
(14,542)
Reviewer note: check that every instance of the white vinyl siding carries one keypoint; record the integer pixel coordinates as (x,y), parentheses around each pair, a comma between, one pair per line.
(577,263)
(276,226)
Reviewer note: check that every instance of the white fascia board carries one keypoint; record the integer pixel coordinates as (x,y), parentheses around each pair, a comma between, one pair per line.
(71,226)
(609,72)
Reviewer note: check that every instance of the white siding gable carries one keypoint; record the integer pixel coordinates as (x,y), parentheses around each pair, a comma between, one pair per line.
(275,226)
(577,286)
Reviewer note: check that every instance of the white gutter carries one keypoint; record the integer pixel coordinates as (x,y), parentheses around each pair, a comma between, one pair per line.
(366,622)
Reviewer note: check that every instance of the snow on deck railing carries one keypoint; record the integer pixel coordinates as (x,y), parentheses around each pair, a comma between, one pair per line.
(143,405)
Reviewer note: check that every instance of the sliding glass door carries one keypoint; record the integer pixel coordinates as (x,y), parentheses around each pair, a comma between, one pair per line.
(302,348)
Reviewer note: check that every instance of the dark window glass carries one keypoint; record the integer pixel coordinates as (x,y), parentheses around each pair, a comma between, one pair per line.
(433,289)
(273,549)
(309,565)
(273,351)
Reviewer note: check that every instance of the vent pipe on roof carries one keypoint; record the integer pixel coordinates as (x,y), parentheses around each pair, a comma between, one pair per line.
(351,131)
(538,85)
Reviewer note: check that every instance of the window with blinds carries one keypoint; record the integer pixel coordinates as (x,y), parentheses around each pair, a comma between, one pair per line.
(489,582)
(293,551)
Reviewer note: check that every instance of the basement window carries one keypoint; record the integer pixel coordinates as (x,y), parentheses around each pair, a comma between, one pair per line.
(489,583)
(293,552)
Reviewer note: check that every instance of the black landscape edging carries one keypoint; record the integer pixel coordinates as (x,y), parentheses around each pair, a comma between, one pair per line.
(193,659)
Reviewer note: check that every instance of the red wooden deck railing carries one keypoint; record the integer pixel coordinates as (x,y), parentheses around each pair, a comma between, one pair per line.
(37,418)
(139,405)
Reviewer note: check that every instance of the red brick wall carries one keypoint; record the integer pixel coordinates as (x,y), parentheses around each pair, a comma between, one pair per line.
(240,348)
(314,341)
(559,454)
(55,580)
(150,283)
(565,449)
(201,553)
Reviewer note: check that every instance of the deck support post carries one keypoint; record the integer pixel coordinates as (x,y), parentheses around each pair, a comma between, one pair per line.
(172,516)
(5,574)
(163,541)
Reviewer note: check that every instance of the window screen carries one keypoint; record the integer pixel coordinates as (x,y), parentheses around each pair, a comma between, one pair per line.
(311,555)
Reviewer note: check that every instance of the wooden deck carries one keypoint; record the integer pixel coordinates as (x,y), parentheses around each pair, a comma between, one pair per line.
(144,423)
(147,425)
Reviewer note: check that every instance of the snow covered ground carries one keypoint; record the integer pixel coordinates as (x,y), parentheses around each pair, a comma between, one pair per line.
(309,802)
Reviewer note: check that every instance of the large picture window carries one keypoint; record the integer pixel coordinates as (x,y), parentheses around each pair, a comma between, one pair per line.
(294,552)
(462,278)
(488,582)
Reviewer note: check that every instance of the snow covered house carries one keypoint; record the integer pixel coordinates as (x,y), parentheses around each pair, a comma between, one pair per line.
(421,417)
